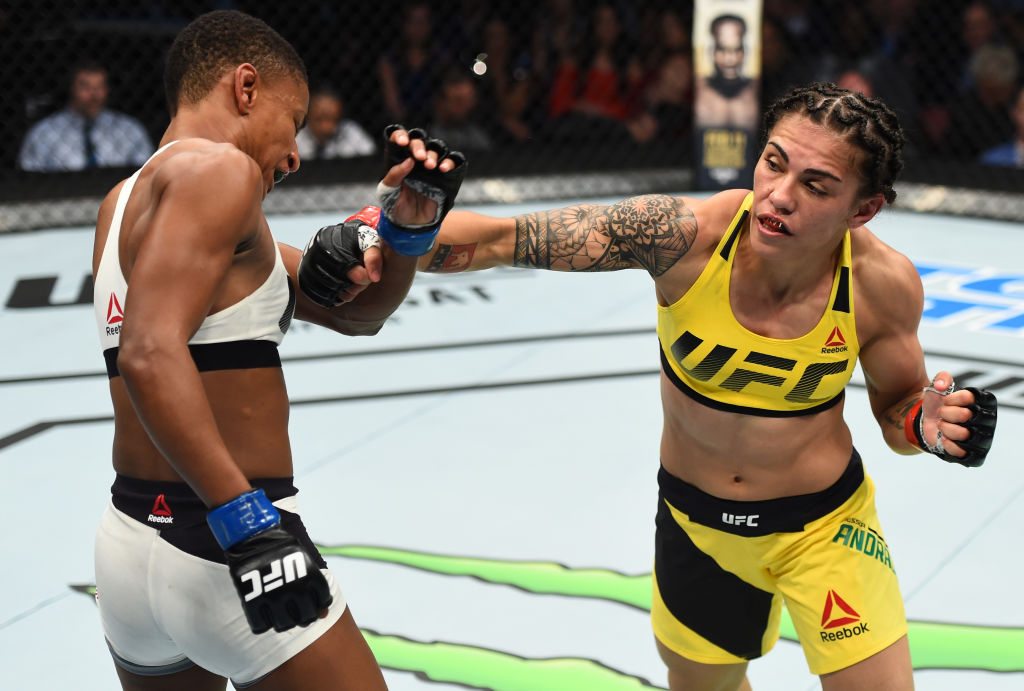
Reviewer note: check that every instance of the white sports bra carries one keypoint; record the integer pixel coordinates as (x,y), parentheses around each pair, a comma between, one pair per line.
(241,336)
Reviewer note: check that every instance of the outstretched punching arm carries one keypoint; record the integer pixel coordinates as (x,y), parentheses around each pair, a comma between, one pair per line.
(347,260)
(650,232)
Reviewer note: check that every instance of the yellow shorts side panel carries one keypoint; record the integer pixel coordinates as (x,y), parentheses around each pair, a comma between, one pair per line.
(835,577)
(840,586)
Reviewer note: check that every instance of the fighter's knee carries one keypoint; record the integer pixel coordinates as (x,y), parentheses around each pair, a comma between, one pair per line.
(687,675)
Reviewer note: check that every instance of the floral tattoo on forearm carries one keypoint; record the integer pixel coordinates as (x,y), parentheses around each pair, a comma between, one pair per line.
(651,232)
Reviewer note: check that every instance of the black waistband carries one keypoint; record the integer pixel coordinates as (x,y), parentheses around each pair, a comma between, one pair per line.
(179,514)
(754,518)
(137,498)
(218,356)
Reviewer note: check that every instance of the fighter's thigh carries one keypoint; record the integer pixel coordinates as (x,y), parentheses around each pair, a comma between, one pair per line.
(340,660)
(711,603)
(193,679)
(887,670)
(844,597)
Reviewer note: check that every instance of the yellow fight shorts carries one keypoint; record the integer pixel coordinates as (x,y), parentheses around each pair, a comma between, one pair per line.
(723,569)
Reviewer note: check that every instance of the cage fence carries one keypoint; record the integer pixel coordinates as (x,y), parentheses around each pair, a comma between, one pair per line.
(550,99)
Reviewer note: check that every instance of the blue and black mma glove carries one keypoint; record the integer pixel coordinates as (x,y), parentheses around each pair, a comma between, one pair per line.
(279,585)
(981,426)
(440,187)
(332,252)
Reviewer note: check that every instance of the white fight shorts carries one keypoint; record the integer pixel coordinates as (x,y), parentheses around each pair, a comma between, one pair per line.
(164,609)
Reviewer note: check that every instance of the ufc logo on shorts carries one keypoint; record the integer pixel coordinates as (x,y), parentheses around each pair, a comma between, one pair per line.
(734,519)
(283,570)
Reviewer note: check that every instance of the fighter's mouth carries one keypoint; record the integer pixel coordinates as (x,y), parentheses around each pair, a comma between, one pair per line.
(774,225)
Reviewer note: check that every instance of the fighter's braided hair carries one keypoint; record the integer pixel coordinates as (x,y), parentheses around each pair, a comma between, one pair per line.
(219,41)
(867,122)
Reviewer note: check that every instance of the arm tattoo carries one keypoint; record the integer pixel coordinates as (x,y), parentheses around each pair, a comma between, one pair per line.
(896,419)
(451,258)
(651,232)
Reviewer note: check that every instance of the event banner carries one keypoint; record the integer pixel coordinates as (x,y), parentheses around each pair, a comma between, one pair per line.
(727,114)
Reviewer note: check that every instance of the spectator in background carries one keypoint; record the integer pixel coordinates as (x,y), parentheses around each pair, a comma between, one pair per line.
(979,29)
(894,19)
(328,134)
(85,134)
(781,67)
(666,32)
(797,18)
(945,53)
(461,37)
(980,118)
(556,42)
(855,81)
(409,72)
(1010,153)
(857,55)
(668,112)
(590,97)
(504,75)
(455,113)
(1012,22)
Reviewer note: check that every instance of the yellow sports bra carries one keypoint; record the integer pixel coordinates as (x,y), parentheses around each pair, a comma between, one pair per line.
(713,359)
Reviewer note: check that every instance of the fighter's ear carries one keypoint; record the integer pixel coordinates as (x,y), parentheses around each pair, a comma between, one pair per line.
(865,210)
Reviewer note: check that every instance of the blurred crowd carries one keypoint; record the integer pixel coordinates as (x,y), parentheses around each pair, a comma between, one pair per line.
(497,75)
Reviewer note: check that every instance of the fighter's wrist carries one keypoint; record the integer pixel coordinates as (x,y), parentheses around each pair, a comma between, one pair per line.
(246,515)
(912,426)
(404,241)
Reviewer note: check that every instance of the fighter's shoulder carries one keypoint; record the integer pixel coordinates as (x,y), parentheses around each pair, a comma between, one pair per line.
(200,165)
(714,214)
(885,281)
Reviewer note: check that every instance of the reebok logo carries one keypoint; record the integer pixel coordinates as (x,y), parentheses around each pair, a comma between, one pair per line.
(115,315)
(161,512)
(833,601)
(835,343)
(836,617)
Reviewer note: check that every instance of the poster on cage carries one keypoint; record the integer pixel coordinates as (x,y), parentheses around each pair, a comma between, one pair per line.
(727,113)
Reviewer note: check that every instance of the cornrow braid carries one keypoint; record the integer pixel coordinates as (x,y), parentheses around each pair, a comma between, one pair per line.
(867,122)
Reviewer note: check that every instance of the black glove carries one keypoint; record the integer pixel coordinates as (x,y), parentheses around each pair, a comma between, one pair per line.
(333,252)
(440,187)
(981,426)
(279,584)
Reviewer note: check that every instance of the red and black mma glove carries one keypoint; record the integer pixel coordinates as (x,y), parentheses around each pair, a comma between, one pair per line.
(414,240)
(981,428)
(332,252)
(279,584)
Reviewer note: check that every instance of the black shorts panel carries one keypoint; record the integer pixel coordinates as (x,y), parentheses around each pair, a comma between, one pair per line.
(714,603)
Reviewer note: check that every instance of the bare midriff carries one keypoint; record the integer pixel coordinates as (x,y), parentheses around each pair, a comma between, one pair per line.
(749,457)
(251,410)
